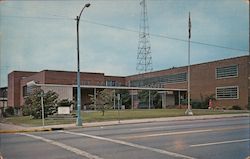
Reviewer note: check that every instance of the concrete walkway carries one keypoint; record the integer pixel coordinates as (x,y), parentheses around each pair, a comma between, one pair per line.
(9,128)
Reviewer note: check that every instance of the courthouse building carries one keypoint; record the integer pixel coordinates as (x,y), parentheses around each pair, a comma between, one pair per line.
(227,80)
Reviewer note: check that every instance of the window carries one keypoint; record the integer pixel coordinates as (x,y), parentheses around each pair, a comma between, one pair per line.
(111,83)
(25,91)
(230,92)
(176,78)
(173,78)
(227,72)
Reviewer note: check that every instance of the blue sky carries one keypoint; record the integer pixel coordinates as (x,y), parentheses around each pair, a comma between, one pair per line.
(38,35)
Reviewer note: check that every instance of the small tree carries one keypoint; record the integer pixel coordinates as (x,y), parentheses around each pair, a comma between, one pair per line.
(32,105)
(125,98)
(103,100)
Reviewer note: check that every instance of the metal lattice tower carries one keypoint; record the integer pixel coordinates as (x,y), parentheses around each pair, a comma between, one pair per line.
(144,58)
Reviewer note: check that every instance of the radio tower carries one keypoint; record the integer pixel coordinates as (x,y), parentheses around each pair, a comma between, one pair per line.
(144,58)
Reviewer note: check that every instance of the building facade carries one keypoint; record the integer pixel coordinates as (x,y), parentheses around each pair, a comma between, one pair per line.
(3,100)
(227,81)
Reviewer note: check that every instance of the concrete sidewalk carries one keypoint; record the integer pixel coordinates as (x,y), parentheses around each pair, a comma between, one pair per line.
(9,128)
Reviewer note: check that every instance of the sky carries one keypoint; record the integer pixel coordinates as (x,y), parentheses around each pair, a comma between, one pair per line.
(41,35)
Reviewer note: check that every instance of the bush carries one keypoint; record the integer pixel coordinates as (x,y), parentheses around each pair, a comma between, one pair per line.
(9,111)
(236,107)
(196,105)
(65,103)
(199,105)
(26,110)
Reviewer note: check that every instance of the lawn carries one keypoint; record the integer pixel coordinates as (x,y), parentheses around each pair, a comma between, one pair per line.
(93,116)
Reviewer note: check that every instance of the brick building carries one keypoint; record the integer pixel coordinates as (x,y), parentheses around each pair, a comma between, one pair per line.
(227,80)
(3,99)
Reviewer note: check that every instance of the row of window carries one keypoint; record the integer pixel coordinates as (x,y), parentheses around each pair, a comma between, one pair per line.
(99,83)
(229,92)
(113,83)
(173,78)
(221,72)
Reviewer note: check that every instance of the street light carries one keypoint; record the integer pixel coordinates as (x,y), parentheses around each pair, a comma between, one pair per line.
(78,119)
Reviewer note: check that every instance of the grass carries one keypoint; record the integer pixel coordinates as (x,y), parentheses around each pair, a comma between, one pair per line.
(132,114)
(27,121)
(113,115)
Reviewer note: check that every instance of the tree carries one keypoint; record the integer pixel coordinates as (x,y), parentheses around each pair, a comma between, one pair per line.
(155,98)
(32,105)
(125,98)
(103,100)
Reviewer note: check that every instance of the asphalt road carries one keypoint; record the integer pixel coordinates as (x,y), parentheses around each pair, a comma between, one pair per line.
(198,139)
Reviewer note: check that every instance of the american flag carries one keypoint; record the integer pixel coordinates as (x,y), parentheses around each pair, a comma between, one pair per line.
(189,26)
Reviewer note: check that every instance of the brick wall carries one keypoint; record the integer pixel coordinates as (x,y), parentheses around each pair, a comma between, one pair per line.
(203,80)
(14,86)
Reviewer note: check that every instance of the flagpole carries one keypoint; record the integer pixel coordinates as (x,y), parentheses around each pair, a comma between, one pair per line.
(189,109)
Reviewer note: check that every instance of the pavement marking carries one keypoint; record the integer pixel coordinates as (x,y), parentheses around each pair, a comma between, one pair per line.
(152,128)
(184,132)
(66,147)
(168,133)
(130,144)
(219,143)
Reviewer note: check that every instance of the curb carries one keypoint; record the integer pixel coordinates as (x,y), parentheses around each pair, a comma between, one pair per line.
(29,130)
(152,120)
(125,122)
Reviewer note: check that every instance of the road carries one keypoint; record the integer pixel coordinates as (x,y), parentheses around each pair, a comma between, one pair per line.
(226,138)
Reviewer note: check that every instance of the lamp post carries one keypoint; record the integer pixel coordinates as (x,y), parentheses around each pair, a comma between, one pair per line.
(78,119)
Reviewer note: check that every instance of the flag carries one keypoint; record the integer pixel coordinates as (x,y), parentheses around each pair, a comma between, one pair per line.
(189,26)
(142,2)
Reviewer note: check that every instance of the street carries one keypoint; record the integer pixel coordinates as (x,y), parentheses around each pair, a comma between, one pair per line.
(226,138)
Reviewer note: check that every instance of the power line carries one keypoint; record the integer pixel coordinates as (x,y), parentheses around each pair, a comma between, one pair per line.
(126,29)
(40,18)
(165,36)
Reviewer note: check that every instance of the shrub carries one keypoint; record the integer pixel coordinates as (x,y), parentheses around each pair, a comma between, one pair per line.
(65,103)
(236,107)
(26,110)
(9,111)
(196,104)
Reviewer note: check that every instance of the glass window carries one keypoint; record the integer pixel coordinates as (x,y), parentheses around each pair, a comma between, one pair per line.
(226,72)
(173,78)
(231,92)
(25,91)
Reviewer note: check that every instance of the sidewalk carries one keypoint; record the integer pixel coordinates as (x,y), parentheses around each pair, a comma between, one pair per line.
(9,128)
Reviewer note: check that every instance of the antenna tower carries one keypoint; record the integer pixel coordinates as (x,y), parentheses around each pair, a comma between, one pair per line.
(144,58)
